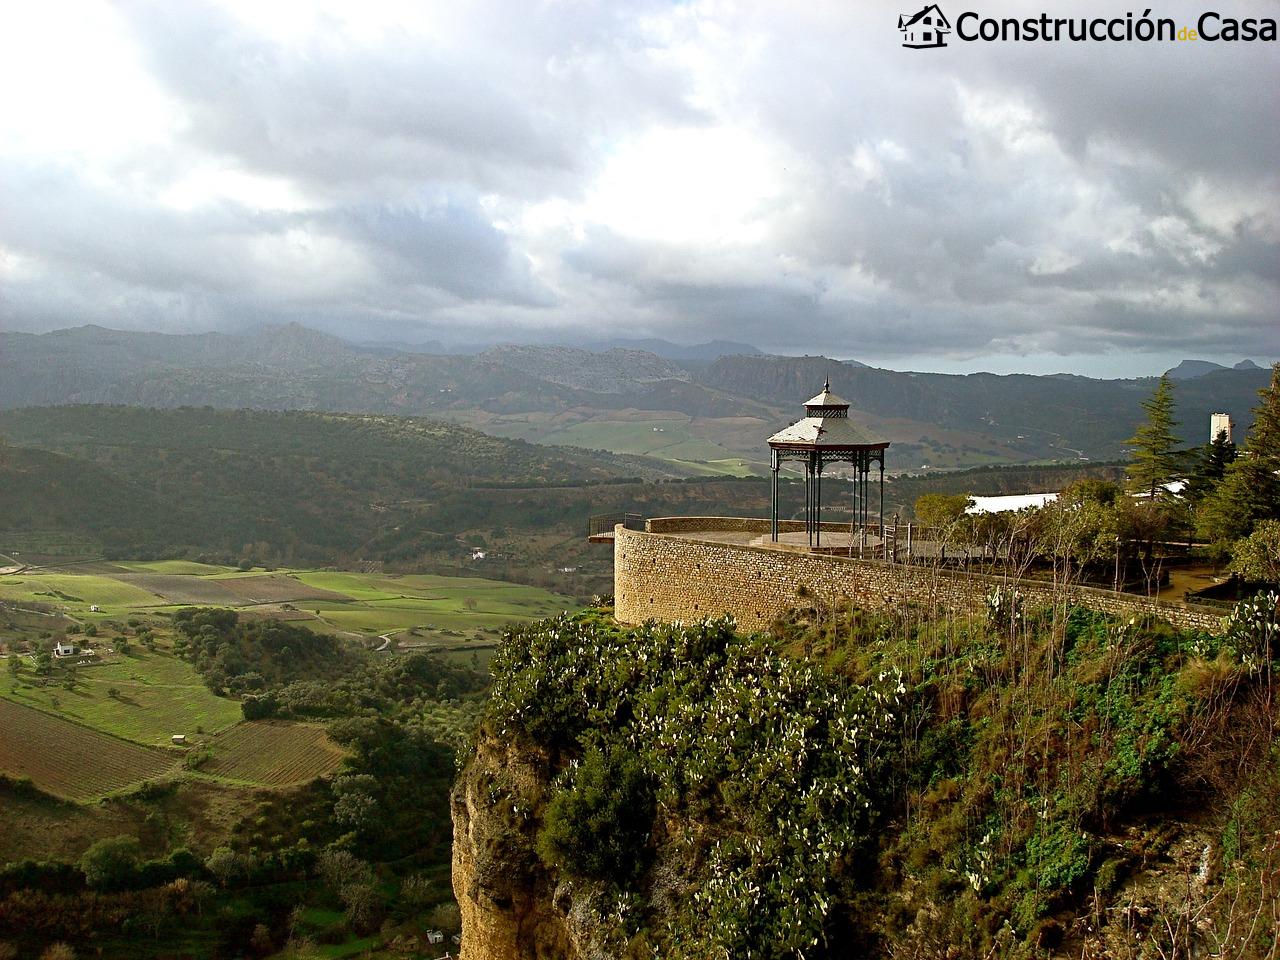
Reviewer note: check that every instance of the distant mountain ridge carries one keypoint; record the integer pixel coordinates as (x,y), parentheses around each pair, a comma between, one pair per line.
(606,371)
(1190,369)
(527,391)
(695,353)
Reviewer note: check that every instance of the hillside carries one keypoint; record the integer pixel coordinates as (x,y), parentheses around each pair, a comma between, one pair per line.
(723,407)
(271,486)
(607,371)
(1068,414)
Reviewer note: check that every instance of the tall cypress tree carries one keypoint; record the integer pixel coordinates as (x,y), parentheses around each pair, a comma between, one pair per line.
(1155,453)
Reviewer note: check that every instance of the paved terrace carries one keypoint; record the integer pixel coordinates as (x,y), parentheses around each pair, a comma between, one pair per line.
(837,538)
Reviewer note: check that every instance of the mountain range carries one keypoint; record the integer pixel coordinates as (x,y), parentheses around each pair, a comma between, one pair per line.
(1190,369)
(710,414)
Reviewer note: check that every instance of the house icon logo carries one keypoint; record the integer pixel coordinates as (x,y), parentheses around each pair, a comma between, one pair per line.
(928,28)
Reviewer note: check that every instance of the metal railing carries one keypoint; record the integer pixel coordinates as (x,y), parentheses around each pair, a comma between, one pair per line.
(603,524)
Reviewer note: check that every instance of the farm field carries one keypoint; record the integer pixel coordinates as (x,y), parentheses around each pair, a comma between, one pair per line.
(157,695)
(72,761)
(273,753)
(181,568)
(75,591)
(439,610)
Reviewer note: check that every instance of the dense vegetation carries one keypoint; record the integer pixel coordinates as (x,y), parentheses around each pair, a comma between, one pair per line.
(911,786)
(285,670)
(281,488)
(765,768)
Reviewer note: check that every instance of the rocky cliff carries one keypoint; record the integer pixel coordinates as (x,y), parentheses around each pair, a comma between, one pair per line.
(513,907)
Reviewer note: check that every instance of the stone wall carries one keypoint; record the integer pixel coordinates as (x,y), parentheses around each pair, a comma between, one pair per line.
(663,577)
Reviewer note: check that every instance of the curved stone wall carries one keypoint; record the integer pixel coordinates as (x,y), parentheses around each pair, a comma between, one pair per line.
(661,576)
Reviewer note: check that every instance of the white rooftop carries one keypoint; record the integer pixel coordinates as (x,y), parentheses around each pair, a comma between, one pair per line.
(1004,504)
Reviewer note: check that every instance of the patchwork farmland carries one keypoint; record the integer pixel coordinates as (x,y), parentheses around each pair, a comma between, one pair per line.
(144,696)
(104,723)
(416,610)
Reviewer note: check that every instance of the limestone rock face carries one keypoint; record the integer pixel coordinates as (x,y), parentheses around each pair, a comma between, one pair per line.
(512,907)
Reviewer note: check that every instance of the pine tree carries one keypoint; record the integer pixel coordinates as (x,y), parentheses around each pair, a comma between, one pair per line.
(1210,464)
(1264,435)
(1155,455)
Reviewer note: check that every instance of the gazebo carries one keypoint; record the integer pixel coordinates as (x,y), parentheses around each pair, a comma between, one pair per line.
(826,435)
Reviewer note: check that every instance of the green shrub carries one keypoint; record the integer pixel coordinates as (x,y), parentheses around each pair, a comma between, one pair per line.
(597,825)
(111,864)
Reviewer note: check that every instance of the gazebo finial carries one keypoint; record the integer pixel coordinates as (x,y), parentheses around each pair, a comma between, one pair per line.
(826,384)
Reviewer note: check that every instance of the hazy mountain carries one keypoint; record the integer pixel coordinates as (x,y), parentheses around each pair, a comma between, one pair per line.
(1190,369)
(529,391)
(285,368)
(617,370)
(1076,414)
(685,353)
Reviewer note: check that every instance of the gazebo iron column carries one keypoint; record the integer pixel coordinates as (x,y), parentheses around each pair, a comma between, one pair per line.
(884,542)
(817,500)
(774,463)
(815,462)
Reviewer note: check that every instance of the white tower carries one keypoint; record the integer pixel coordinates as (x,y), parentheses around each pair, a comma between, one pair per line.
(1219,422)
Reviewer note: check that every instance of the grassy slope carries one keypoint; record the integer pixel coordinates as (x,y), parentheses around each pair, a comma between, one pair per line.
(158,695)
(77,592)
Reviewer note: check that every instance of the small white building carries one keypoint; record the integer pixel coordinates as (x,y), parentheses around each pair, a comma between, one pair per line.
(1220,423)
(435,936)
(64,649)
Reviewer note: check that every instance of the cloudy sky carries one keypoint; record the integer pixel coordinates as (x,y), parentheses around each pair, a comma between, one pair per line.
(778,173)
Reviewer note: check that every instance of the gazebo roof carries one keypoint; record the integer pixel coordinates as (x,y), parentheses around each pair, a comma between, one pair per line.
(826,427)
(826,432)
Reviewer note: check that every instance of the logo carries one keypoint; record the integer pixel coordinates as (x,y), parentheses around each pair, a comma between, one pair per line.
(928,28)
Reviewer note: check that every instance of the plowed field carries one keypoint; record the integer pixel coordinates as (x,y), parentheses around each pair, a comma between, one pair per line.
(273,753)
(69,760)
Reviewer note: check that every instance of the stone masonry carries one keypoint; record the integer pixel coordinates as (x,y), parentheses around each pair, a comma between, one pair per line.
(661,576)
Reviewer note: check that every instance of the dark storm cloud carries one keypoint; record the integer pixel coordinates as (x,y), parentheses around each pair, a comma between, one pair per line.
(447,245)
